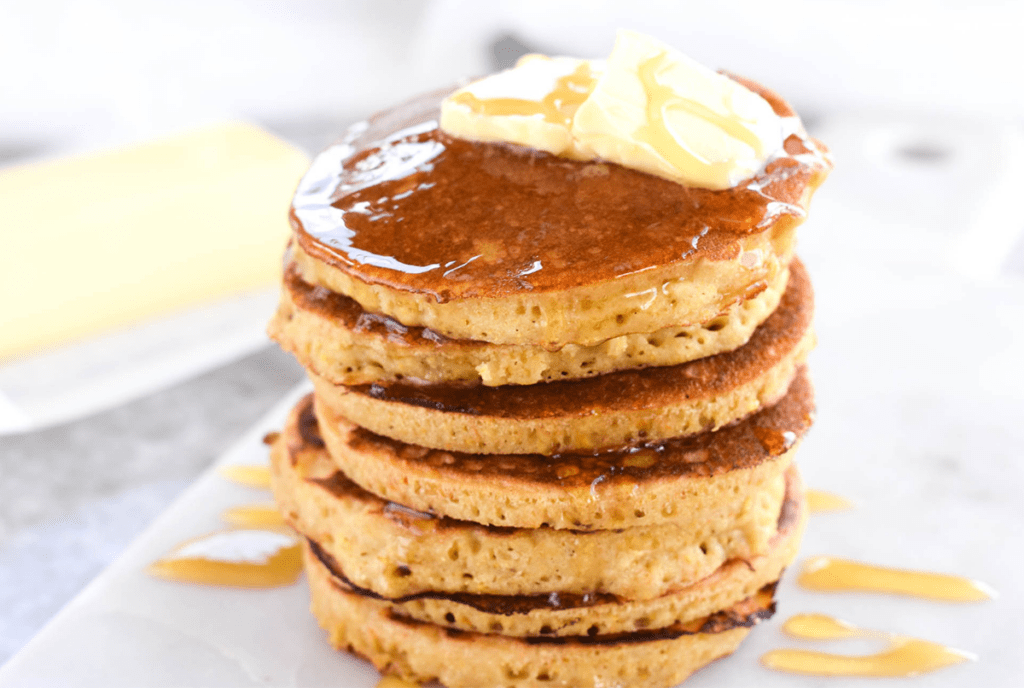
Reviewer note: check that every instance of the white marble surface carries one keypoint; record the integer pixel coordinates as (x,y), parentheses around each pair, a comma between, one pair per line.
(74,496)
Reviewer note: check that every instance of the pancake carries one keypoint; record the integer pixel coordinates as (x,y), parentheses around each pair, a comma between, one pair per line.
(423,652)
(557,613)
(332,336)
(710,476)
(509,245)
(396,551)
(612,410)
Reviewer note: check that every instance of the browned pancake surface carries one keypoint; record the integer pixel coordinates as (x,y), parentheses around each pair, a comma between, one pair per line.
(760,437)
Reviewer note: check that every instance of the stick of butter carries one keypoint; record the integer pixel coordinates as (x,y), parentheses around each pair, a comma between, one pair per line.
(648,107)
(102,241)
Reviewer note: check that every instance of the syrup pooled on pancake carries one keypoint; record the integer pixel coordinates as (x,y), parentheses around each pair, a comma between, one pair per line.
(403,204)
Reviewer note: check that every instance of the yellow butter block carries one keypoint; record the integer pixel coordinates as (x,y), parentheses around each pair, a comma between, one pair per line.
(101,241)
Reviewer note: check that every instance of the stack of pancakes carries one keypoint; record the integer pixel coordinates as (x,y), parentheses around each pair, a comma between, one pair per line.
(556,405)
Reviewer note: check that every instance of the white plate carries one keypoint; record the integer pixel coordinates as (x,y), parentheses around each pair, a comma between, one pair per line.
(101,372)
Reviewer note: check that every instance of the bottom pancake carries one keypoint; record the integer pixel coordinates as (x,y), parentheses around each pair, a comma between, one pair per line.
(418,651)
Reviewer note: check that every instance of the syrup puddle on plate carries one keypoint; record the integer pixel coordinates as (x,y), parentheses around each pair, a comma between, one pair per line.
(253,476)
(254,516)
(238,558)
(828,574)
(903,657)
(819,501)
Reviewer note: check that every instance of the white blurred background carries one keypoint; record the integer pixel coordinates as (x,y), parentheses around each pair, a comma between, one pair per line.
(84,73)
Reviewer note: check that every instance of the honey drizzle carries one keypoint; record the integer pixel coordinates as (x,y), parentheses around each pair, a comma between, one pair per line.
(658,136)
(821,627)
(252,476)
(904,657)
(828,574)
(819,501)
(557,107)
(236,558)
(254,515)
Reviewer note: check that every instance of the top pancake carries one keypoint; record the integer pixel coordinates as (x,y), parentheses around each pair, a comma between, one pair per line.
(509,245)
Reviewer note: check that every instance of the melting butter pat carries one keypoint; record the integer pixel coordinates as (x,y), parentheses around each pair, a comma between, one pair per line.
(532,104)
(656,110)
(648,107)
